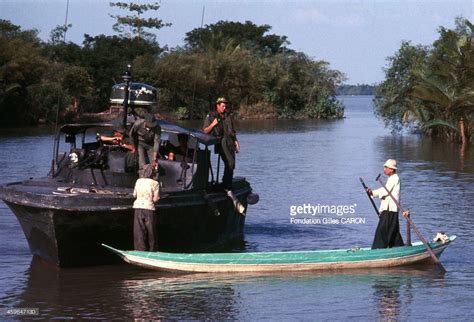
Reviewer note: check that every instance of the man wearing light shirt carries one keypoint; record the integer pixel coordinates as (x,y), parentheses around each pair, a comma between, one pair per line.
(147,193)
(387,234)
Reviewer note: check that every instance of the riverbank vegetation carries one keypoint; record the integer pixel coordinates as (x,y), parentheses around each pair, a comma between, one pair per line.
(430,89)
(359,89)
(260,75)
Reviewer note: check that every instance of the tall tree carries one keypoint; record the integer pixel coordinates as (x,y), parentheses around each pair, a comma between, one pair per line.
(21,65)
(134,25)
(247,35)
(446,87)
(56,49)
(393,104)
(432,89)
(105,58)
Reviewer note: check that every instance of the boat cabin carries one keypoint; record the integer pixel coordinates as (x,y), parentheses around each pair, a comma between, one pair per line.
(90,161)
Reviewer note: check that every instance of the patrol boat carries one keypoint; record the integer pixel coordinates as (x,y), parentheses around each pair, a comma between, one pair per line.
(86,198)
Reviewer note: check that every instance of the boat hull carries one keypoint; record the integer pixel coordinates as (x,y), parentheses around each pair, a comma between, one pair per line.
(67,230)
(284,261)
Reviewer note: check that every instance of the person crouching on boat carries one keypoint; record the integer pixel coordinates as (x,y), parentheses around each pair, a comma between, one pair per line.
(146,192)
(387,233)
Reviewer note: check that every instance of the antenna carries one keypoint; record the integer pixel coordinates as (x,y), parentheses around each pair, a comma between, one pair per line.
(194,85)
(127,78)
(202,17)
(65,21)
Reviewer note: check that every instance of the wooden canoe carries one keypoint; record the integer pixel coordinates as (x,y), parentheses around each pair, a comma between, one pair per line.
(283,261)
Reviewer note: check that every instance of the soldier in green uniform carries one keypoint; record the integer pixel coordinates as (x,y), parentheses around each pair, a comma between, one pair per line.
(219,124)
(146,134)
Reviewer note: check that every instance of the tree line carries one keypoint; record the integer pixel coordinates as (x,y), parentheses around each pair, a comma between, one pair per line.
(430,89)
(359,89)
(58,80)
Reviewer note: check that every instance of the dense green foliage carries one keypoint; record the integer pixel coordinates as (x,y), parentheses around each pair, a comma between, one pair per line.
(290,84)
(261,77)
(431,89)
(247,35)
(21,67)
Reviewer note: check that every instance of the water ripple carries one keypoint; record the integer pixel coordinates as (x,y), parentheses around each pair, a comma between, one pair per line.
(289,163)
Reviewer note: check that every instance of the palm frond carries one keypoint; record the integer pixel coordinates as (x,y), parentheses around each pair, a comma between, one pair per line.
(438,122)
(430,94)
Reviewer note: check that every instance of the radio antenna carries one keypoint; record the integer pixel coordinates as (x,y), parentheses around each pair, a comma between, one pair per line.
(65,21)
(194,85)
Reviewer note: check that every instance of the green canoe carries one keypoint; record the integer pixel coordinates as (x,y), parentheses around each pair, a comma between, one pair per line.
(284,261)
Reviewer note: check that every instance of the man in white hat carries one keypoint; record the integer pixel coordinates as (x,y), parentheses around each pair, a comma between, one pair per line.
(388,230)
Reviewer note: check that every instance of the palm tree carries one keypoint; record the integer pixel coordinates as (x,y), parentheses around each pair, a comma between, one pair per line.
(446,88)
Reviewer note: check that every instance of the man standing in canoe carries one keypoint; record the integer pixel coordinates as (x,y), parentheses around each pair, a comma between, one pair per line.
(388,230)
(220,124)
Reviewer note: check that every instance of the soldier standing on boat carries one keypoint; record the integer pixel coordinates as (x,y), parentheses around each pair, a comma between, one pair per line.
(387,233)
(146,192)
(219,123)
(146,134)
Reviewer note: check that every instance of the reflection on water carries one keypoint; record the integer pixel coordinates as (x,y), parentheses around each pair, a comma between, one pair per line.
(288,163)
(127,292)
(387,294)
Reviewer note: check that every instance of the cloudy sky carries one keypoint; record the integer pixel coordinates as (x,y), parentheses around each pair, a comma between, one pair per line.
(354,36)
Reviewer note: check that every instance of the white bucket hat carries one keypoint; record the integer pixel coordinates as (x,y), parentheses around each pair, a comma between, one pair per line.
(391,163)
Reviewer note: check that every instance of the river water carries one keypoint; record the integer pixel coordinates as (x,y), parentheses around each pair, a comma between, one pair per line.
(290,164)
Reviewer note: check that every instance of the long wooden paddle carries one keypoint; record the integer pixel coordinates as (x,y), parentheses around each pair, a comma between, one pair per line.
(368,195)
(423,240)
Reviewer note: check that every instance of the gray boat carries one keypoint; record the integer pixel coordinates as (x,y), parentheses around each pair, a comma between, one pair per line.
(86,198)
